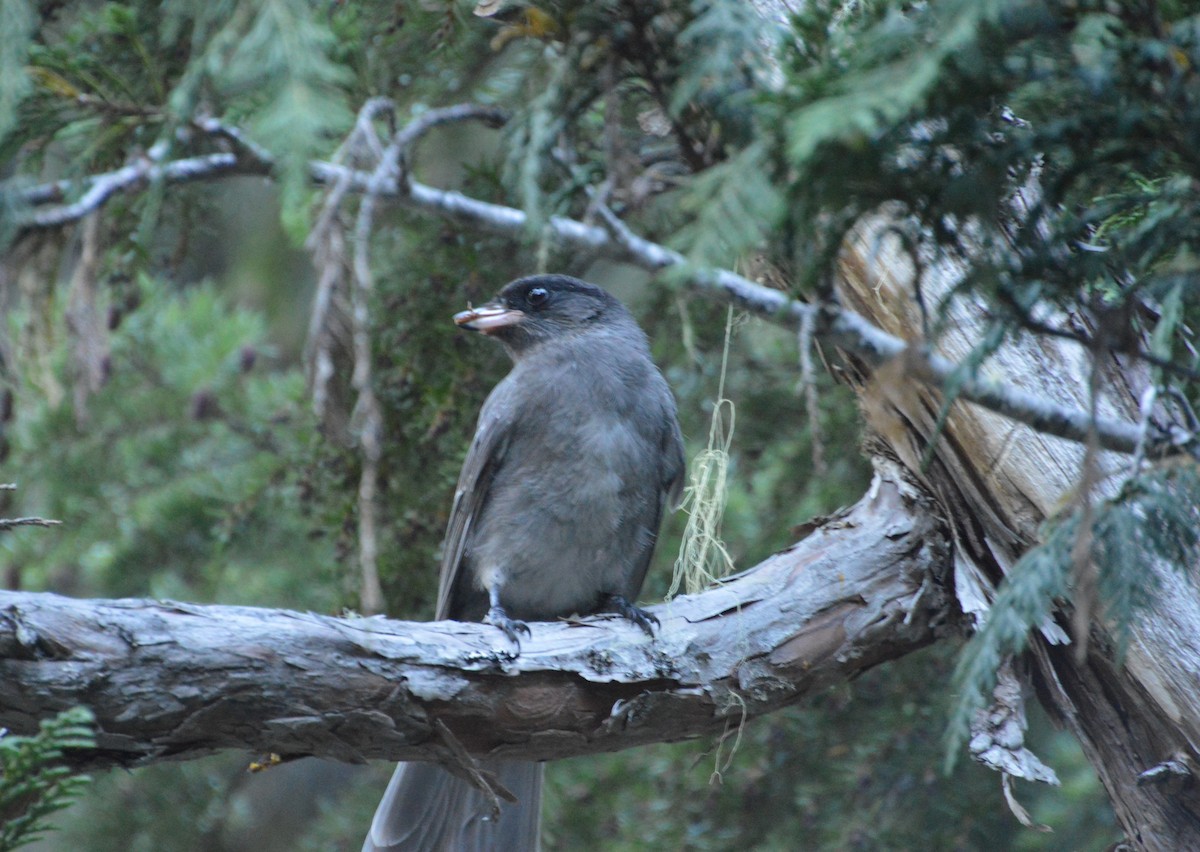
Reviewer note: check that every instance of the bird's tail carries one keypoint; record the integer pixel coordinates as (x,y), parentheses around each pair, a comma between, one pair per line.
(426,809)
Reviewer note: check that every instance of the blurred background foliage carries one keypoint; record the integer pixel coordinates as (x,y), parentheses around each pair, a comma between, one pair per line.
(153,359)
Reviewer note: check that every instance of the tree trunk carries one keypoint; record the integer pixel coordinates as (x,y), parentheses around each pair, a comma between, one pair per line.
(997,481)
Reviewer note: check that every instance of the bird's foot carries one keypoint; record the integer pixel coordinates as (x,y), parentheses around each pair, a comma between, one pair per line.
(645,620)
(497,617)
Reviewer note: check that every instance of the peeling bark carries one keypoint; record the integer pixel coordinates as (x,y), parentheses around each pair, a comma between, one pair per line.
(170,680)
(997,481)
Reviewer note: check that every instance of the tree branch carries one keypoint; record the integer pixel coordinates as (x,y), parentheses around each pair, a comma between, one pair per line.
(831,324)
(10,523)
(99,189)
(170,680)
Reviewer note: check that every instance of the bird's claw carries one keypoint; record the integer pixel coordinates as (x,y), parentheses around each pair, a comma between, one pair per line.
(643,619)
(511,627)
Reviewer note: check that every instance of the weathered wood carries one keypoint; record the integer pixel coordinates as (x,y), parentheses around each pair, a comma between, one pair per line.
(997,482)
(171,680)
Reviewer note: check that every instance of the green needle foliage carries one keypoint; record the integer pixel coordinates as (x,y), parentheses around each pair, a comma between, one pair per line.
(1153,521)
(182,481)
(34,782)
(194,467)
(297,104)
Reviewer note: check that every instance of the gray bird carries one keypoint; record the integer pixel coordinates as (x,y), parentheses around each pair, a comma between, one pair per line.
(576,454)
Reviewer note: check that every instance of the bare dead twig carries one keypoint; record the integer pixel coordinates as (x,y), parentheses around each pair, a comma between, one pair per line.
(388,176)
(10,523)
(89,335)
(460,762)
(1085,572)
(831,324)
(808,378)
(368,417)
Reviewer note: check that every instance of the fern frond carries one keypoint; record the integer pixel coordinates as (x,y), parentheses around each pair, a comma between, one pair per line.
(853,108)
(727,43)
(1152,522)
(34,781)
(1025,600)
(731,207)
(285,54)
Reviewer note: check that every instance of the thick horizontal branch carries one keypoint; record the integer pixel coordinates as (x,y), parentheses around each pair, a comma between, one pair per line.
(831,324)
(169,680)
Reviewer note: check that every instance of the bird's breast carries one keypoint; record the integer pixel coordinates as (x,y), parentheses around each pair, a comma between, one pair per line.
(569,512)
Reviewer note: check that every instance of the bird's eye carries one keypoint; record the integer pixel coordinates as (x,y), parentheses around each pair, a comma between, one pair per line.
(538,296)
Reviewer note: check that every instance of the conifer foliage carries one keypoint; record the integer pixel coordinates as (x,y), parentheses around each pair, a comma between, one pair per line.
(221,358)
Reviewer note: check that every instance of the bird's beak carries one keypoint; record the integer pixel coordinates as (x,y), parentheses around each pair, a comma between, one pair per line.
(488,318)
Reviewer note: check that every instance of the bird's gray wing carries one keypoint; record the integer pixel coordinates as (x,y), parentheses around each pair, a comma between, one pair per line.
(670,495)
(484,457)
(674,465)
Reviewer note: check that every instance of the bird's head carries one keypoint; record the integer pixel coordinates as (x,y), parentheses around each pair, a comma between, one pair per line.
(538,308)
